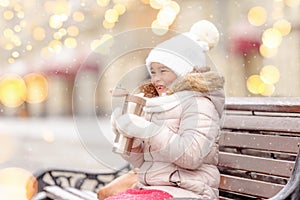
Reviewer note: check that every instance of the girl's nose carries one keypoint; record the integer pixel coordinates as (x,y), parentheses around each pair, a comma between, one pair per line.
(156,79)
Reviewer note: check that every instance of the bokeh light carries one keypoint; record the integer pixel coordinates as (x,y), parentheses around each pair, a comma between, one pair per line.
(57,35)
(55,21)
(78,16)
(255,85)
(55,46)
(44,32)
(158,4)
(257,16)
(107,25)
(111,15)
(10,60)
(9,46)
(271,38)
(16,40)
(283,26)
(269,74)
(15,54)
(63,31)
(70,42)
(28,47)
(263,83)
(17,7)
(120,8)
(267,52)
(103,45)
(17,184)
(4,3)
(73,31)
(268,90)
(155,4)
(173,5)
(17,28)
(13,90)
(159,29)
(8,33)
(8,14)
(20,14)
(166,16)
(37,88)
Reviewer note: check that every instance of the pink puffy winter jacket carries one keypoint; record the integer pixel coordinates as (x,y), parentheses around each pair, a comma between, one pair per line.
(181,158)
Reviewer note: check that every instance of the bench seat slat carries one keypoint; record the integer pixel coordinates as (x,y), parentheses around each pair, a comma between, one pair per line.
(249,186)
(87,195)
(262,123)
(263,142)
(55,192)
(274,104)
(256,164)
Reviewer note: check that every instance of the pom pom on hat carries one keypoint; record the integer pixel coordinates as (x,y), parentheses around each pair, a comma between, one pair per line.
(185,51)
(205,31)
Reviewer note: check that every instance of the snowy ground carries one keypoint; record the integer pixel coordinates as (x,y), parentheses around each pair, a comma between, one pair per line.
(35,144)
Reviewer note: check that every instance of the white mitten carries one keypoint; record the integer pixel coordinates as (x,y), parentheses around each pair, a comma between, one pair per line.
(134,126)
(114,116)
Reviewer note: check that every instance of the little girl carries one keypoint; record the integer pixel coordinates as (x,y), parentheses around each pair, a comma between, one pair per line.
(176,141)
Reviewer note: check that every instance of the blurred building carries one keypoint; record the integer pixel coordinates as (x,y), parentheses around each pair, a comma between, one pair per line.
(77,51)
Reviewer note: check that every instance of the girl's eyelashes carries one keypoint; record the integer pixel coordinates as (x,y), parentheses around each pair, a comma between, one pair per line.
(160,70)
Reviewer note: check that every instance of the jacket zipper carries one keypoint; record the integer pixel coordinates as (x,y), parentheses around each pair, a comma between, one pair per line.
(145,175)
(149,151)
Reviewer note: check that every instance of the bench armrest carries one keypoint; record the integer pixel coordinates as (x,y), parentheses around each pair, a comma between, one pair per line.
(76,178)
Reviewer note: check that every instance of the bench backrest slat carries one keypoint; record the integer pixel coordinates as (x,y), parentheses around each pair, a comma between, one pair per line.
(256,164)
(258,141)
(262,123)
(274,104)
(248,186)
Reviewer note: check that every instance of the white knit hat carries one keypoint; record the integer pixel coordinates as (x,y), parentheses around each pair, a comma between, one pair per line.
(185,51)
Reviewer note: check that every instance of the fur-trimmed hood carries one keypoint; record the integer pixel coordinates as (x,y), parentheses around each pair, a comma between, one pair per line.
(206,84)
(200,82)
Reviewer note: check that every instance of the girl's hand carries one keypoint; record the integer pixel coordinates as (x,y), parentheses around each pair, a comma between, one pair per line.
(134,126)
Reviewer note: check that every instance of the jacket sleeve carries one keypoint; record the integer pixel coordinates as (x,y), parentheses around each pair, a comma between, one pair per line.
(197,133)
(136,157)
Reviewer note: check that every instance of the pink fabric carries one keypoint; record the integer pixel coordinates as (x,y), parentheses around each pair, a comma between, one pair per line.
(140,194)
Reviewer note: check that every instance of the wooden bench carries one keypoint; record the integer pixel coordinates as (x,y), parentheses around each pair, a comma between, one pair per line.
(259,144)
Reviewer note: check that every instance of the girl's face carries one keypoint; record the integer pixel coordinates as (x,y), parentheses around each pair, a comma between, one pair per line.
(161,77)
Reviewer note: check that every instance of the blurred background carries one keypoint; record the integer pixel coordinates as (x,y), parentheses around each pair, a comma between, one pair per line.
(60,59)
